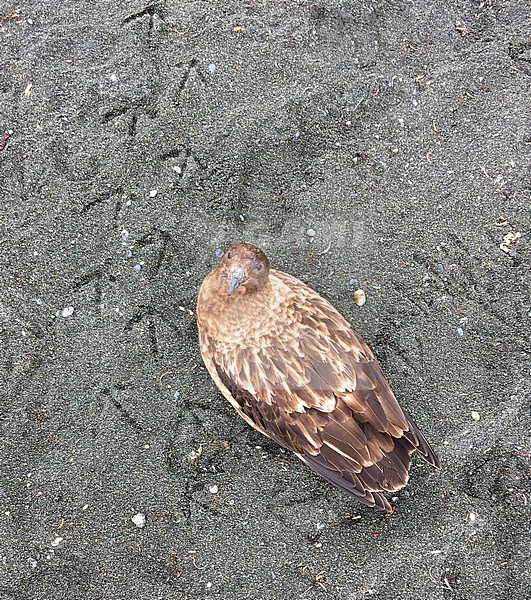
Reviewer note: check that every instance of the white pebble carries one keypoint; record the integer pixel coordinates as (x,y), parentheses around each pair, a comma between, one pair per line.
(213,489)
(125,234)
(472,517)
(137,268)
(177,395)
(114,77)
(310,232)
(153,193)
(177,169)
(475,415)
(85,506)
(460,331)
(208,585)
(68,311)
(212,67)
(129,254)
(32,562)
(195,454)
(139,519)
(359,297)
(56,542)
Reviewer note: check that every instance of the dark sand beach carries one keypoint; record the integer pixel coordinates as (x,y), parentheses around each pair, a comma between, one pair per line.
(381,145)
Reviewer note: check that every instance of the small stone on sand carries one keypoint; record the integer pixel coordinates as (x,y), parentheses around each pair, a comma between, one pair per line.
(139,520)
(359,297)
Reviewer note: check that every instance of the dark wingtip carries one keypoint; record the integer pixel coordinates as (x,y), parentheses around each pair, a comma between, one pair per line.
(425,450)
(421,444)
(435,462)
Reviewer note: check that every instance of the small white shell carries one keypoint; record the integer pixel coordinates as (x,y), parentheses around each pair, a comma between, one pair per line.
(359,297)
(139,519)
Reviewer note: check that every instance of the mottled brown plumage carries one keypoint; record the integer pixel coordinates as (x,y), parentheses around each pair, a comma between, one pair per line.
(296,371)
